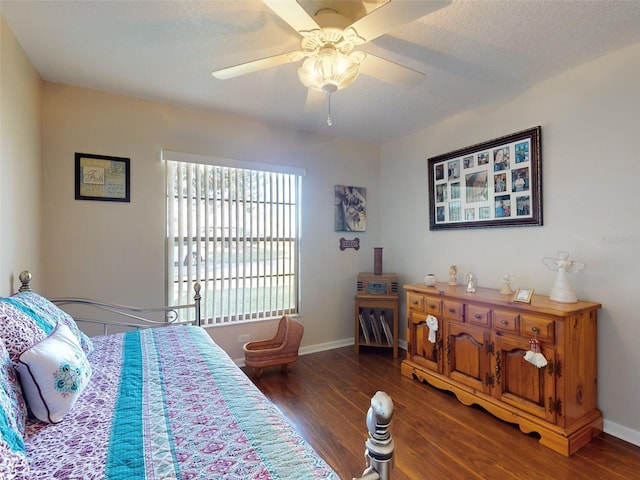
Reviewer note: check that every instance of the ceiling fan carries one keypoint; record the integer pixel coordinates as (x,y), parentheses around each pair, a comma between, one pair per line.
(330,30)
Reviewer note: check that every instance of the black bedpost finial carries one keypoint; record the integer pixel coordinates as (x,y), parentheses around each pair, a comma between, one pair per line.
(25,278)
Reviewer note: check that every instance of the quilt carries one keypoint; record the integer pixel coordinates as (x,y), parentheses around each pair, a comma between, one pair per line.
(168,403)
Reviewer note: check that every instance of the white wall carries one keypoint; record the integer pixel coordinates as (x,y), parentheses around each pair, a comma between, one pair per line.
(589,119)
(20,105)
(116,251)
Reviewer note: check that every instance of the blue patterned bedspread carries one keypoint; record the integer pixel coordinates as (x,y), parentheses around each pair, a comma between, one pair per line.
(168,403)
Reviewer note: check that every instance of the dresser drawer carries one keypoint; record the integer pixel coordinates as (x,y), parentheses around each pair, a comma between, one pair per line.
(433,305)
(541,327)
(453,310)
(415,302)
(478,315)
(505,321)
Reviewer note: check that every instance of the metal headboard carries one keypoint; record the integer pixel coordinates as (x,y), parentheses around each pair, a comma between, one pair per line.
(132,315)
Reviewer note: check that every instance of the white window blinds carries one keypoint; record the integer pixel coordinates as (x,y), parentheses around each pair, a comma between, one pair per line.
(236,231)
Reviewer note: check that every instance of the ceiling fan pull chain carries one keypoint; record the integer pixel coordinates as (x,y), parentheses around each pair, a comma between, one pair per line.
(329,121)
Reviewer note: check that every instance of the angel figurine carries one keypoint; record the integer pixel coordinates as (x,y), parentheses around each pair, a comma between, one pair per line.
(507,280)
(453,275)
(562,290)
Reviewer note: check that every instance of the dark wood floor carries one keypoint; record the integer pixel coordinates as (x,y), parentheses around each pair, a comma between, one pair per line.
(327,395)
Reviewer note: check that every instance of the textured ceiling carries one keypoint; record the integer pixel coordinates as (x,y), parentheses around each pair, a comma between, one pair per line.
(472,52)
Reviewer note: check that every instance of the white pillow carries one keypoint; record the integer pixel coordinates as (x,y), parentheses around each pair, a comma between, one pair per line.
(53,373)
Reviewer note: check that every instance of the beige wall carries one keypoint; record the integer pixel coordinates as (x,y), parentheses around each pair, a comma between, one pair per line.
(116,251)
(589,119)
(20,105)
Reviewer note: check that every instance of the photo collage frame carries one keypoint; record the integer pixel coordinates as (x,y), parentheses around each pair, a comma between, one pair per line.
(493,184)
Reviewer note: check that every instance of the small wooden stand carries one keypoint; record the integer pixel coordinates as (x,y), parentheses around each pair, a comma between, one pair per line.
(376,312)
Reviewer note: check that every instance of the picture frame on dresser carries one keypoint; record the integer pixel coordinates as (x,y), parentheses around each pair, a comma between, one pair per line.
(523,295)
(497,183)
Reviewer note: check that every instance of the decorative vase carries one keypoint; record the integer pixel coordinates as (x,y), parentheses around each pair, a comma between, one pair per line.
(430,280)
(377,261)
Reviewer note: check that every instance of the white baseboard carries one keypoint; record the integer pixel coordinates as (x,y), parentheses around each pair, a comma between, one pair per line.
(623,433)
(320,347)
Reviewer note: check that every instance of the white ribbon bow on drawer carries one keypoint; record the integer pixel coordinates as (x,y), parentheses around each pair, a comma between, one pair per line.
(432,323)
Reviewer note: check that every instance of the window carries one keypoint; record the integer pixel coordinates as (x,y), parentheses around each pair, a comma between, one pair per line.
(236,231)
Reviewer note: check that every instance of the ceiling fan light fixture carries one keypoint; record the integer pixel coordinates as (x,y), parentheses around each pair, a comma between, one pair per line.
(330,70)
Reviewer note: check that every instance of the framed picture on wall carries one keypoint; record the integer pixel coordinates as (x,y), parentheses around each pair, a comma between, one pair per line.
(492,184)
(99,177)
(350,206)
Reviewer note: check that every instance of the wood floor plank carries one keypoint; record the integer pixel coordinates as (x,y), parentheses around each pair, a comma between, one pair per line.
(327,395)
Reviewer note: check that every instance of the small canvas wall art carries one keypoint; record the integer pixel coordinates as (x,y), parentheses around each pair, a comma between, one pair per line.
(350,204)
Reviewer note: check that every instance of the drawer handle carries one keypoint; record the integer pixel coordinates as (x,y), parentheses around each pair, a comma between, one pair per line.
(477,316)
(534,329)
(452,310)
(432,306)
(504,322)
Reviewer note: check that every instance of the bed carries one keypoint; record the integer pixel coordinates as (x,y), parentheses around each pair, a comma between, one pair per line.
(154,403)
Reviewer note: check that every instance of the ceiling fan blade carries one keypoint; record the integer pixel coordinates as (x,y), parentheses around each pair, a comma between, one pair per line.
(390,72)
(292,13)
(394,14)
(256,65)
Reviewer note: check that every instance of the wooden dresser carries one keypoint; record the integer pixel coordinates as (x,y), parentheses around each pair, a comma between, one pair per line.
(477,352)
